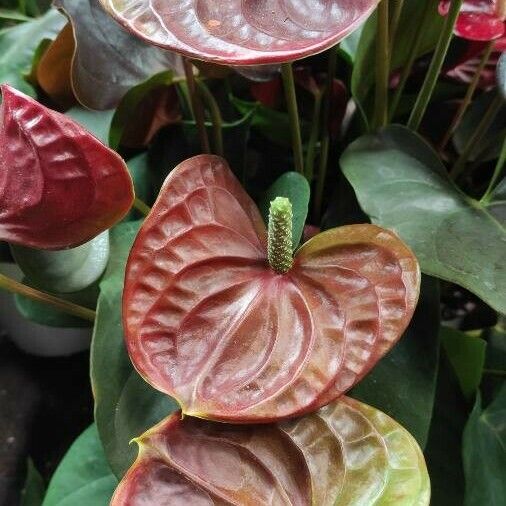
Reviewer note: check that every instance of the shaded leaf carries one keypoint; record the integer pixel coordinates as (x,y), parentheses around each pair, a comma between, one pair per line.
(484,452)
(125,406)
(401,184)
(139,170)
(347,453)
(403,383)
(269,345)
(18,45)
(96,122)
(295,187)
(108,61)
(276,32)
(66,188)
(34,488)
(83,477)
(467,357)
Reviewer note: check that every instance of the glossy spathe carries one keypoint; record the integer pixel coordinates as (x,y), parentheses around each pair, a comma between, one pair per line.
(59,186)
(239,32)
(210,323)
(346,454)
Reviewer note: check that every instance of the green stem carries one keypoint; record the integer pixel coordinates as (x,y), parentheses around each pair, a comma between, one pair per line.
(293,113)
(413,52)
(325,143)
(214,111)
(497,172)
(494,372)
(394,23)
(313,138)
(13,286)
(142,207)
(382,67)
(279,245)
(435,67)
(477,136)
(196,104)
(468,97)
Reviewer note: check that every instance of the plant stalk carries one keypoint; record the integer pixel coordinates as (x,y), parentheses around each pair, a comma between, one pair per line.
(325,142)
(435,67)
(408,67)
(394,23)
(217,120)
(196,104)
(497,172)
(382,67)
(13,286)
(293,113)
(313,138)
(468,97)
(477,136)
(142,207)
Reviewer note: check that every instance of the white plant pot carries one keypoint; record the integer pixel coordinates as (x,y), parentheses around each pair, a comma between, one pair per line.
(32,337)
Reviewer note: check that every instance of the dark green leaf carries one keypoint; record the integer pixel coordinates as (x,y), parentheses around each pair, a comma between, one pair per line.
(83,477)
(139,170)
(18,45)
(125,406)
(467,357)
(401,184)
(96,122)
(65,271)
(484,453)
(403,383)
(34,488)
(295,187)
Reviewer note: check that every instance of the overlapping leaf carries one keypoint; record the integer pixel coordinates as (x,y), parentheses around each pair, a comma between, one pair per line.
(401,184)
(59,186)
(108,61)
(208,322)
(346,454)
(242,33)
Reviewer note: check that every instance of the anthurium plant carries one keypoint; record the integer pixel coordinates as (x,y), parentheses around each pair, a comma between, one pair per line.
(285,225)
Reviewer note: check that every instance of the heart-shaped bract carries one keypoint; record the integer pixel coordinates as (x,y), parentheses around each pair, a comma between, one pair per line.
(242,32)
(480,20)
(210,323)
(346,454)
(59,186)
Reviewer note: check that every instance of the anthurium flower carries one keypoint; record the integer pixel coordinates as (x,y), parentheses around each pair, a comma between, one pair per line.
(59,185)
(478,19)
(219,315)
(236,32)
(346,454)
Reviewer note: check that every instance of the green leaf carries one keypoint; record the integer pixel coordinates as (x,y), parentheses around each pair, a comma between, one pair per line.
(96,122)
(83,477)
(126,108)
(139,170)
(467,356)
(125,406)
(18,45)
(34,488)
(484,453)
(64,271)
(401,184)
(295,187)
(13,15)
(501,74)
(403,383)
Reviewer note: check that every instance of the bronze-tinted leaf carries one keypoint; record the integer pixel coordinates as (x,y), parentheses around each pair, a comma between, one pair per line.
(346,454)
(59,185)
(210,323)
(108,61)
(242,32)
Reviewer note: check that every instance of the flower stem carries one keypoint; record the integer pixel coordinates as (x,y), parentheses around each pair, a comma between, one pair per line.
(216,118)
(293,113)
(497,172)
(435,67)
(468,97)
(196,104)
(394,23)
(477,136)
(13,286)
(382,67)
(325,142)
(313,138)
(141,206)
(279,246)
(413,52)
